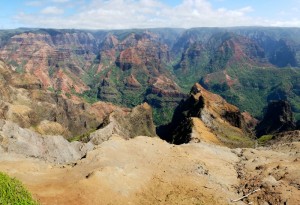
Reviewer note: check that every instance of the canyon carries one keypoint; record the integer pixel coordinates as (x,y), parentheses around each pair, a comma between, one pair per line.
(159,66)
(153,116)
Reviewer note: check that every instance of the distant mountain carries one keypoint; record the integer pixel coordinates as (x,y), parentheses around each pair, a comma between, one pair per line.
(248,66)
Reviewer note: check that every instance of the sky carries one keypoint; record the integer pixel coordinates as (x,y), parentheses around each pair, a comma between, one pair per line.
(123,14)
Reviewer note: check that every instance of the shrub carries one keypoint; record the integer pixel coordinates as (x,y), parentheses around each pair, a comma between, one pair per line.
(12,192)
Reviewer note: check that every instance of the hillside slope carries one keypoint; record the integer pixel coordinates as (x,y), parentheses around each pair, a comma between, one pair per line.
(150,171)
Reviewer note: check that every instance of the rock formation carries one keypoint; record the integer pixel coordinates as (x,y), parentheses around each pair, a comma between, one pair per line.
(53,149)
(205,116)
(137,122)
(283,138)
(278,118)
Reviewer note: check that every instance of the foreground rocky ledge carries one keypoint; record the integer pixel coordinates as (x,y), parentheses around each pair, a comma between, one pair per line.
(147,170)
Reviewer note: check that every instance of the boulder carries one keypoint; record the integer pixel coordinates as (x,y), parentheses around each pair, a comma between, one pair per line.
(54,149)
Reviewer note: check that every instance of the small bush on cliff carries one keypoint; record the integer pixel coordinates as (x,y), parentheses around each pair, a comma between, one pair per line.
(13,192)
(263,139)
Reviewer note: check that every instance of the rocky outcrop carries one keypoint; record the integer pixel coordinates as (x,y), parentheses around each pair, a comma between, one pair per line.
(107,91)
(142,51)
(163,86)
(132,83)
(137,122)
(278,118)
(206,113)
(54,149)
(283,138)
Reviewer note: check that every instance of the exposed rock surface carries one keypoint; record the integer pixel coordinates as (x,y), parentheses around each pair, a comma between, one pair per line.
(138,122)
(278,118)
(55,149)
(284,138)
(204,112)
(44,54)
(147,170)
(274,171)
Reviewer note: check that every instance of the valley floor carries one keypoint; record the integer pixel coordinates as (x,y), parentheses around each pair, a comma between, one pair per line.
(148,170)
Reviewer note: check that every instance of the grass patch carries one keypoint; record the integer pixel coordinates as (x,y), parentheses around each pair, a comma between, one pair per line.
(82,138)
(235,141)
(236,138)
(13,192)
(263,139)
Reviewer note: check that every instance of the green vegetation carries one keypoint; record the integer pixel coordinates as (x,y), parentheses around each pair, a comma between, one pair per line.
(12,192)
(263,139)
(51,89)
(257,86)
(239,141)
(163,115)
(89,96)
(83,138)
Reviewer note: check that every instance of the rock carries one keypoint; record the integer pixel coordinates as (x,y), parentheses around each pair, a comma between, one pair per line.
(212,114)
(137,122)
(298,125)
(54,149)
(107,91)
(284,137)
(278,118)
(51,128)
(132,83)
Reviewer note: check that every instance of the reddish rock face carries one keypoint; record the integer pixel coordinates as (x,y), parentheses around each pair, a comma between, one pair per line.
(57,60)
(137,51)
(244,50)
(132,82)
(163,86)
(25,101)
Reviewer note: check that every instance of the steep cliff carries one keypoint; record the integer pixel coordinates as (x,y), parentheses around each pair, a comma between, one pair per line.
(278,118)
(205,116)
(58,59)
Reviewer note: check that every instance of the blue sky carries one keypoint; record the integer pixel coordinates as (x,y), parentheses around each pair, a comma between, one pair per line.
(118,14)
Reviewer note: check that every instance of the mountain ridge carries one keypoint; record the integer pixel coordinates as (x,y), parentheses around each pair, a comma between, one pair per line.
(97,63)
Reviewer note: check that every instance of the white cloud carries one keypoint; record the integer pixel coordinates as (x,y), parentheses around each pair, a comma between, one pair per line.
(52,10)
(120,14)
(34,3)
